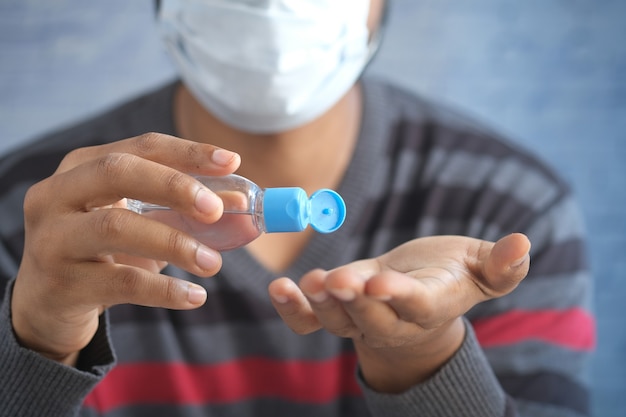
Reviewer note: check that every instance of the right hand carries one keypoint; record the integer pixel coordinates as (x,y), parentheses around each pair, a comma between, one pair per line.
(84,251)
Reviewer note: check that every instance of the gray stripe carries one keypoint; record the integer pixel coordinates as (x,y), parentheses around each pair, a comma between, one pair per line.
(159,341)
(8,266)
(430,226)
(511,176)
(259,407)
(530,187)
(536,357)
(13,203)
(403,169)
(450,168)
(527,408)
(562,222)
(541,292)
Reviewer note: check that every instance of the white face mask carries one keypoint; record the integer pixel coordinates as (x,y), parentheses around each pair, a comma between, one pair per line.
(266,66)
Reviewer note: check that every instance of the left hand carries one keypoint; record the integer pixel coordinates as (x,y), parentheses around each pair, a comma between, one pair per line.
(403,309)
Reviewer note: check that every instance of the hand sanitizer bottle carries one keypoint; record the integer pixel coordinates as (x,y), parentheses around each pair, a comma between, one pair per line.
(250,211)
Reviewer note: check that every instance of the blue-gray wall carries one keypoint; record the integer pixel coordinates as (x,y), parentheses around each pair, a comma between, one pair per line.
(550,73)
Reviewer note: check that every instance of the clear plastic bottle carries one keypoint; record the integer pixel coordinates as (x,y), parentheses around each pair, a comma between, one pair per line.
(250,211)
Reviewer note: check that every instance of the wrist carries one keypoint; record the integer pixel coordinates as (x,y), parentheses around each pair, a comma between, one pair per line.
(29,338)
(396,369)
(42,333)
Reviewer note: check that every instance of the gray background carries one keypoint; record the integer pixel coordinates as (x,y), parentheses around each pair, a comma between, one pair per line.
(551,74)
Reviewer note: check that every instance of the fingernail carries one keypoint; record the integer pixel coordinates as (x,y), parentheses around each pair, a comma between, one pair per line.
(223,157)
(382,297)
(520,261)
(195,294)
(207,202)
(344,294)
(280,299)
(206,258)
(318,297)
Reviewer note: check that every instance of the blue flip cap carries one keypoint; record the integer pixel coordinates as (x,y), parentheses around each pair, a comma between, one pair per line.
(290,210)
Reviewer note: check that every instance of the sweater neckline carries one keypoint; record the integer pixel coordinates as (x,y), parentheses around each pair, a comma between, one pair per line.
(244,272)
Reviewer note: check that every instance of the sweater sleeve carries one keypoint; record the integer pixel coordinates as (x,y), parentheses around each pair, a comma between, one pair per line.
(540,338)
(30,383)
(465,386)
(525,354)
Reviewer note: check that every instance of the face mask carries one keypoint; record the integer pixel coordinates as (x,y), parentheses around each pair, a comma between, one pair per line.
(266,66)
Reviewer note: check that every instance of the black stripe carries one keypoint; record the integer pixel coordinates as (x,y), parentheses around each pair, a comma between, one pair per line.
(562,258)
(425,136)
(40,158)
(548,388)
(510,410)
(401,211)
(31,169)
(221,307)
(14,245)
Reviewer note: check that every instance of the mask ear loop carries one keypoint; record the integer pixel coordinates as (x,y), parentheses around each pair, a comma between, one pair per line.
(377,37)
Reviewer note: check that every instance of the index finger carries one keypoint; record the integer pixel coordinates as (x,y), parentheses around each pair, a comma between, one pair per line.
(181,154)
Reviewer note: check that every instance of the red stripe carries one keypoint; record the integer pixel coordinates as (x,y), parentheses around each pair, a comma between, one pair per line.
(573,328)
(179,383)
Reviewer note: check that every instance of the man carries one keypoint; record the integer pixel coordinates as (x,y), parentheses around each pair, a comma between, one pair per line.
(386,313)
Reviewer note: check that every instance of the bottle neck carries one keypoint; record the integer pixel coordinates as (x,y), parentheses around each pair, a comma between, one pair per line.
(256,204)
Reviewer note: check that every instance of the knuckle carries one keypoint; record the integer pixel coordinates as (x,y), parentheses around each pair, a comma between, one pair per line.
(194,152)
(147,143)
(111,223)
(175,181)
(43,256)
(114,165)
(72,156)
(32,201)
(75,157)
(127,282)
(41,230)
(177,242)
(171,291)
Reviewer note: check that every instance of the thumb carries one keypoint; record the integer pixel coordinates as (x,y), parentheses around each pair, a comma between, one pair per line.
(506,264)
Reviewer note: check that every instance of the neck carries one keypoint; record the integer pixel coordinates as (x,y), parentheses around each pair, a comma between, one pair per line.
(312,156)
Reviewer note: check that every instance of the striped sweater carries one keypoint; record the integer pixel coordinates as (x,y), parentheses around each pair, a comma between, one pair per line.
(418,170)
